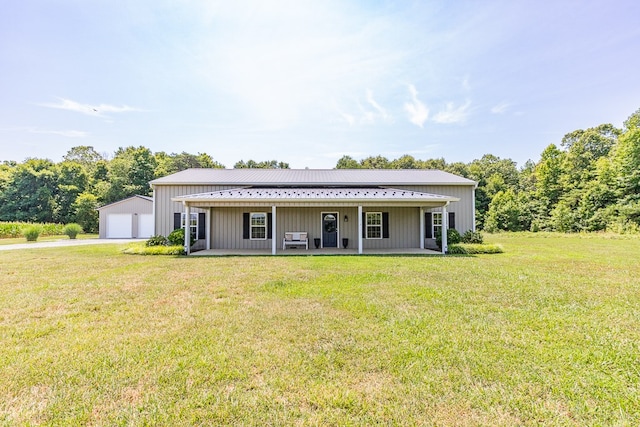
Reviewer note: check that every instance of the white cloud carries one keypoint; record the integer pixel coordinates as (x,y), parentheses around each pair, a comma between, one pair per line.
(381,111)
(500,108)
(67,133)
(452,114)
(418,112)
(97,110)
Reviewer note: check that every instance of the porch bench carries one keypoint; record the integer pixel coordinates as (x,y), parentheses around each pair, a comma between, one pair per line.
(295,238)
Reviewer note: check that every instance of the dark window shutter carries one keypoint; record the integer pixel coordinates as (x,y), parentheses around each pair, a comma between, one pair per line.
(201,225)
(269,229)
(385,225)
(245,225)
(177,220)
(428,225)
(364,225)
(452,220)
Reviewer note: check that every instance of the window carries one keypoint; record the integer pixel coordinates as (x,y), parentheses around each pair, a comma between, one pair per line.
(374,225)
(437,223)
(258,226)
(193,224)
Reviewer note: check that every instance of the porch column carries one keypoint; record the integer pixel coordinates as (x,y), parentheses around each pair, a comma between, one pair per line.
(421,228)
(187,229)
(445,227)
(359,229)
(273,230)
(207,228)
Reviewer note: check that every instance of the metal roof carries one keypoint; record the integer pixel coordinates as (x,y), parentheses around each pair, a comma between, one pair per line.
(147,198)
(312,177)
(315,194)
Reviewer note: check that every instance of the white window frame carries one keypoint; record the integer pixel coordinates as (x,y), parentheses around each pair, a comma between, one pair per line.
(258,226)
(377,226)
(193,223)
(436,223)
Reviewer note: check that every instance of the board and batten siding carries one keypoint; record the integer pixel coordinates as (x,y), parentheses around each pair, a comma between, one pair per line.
(226,226)
(133,205)
(165,207)
(464,209)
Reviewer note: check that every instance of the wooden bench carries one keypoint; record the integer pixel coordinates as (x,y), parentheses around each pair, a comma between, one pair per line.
(295,238)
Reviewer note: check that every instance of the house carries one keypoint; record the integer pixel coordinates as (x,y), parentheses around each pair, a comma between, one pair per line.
(128,218)
(363,209)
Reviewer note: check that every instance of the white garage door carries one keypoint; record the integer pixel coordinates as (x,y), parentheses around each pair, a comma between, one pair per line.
(119,226)
(145,226)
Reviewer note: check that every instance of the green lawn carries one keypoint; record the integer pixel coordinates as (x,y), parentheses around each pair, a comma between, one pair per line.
(547,333)
(13,241)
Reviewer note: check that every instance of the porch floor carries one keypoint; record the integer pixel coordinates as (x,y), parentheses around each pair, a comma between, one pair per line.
(312,252)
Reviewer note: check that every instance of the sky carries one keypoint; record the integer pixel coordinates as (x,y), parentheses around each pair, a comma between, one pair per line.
(307,82)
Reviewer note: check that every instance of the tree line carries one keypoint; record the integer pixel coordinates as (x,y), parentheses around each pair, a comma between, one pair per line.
(589,182)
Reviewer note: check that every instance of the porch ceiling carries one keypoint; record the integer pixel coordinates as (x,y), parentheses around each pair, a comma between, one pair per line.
(315,196)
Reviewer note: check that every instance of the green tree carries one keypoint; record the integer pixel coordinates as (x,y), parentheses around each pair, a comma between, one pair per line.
(508,211)
(267,164)
(85,212)
(493,175)
(130,172)
(29,193)
(347,162)
(404,162)
(72,179)
(377,162)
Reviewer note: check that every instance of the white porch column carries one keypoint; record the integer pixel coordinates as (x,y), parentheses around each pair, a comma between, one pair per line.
(445,227)
(273,230)
(421,228)
(207,228)
(187,229)
(359,229)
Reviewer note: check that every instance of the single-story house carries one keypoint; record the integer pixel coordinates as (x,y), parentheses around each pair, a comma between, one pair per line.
(238,209)
(127,219)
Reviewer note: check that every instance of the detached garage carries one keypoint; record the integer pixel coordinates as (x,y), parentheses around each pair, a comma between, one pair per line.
(127,219)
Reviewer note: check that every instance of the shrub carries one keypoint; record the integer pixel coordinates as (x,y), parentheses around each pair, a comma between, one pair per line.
(474,248)
(32,233)
(453,237)
(176,237)
(154,250)
(15,229)
(472,237)
(157,241)
(72,230)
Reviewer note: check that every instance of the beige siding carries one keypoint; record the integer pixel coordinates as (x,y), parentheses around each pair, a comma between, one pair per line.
(464,209)
(226,227)
(404,229)
(165,208)
(134,206)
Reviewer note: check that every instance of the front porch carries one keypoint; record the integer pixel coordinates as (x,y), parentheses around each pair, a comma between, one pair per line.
(256,221)
(313,252)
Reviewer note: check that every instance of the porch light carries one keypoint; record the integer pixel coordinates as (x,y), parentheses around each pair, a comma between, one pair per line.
(346,218)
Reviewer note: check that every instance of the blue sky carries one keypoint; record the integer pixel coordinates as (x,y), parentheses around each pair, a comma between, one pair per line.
(307,82)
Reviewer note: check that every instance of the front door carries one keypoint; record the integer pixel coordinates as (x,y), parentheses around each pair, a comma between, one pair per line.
(330,230)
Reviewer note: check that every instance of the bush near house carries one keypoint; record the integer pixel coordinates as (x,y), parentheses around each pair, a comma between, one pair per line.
(176,237)
(472,237)
(32,233)
(72,230)
(158,240)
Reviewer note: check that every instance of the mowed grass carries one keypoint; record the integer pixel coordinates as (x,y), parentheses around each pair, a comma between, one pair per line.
(547,333)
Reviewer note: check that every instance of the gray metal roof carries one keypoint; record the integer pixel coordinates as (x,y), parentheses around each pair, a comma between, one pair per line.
(313,177)
(147,198)
(315,194)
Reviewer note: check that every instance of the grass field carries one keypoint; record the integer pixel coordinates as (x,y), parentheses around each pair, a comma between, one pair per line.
(14,240)
(547,333)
